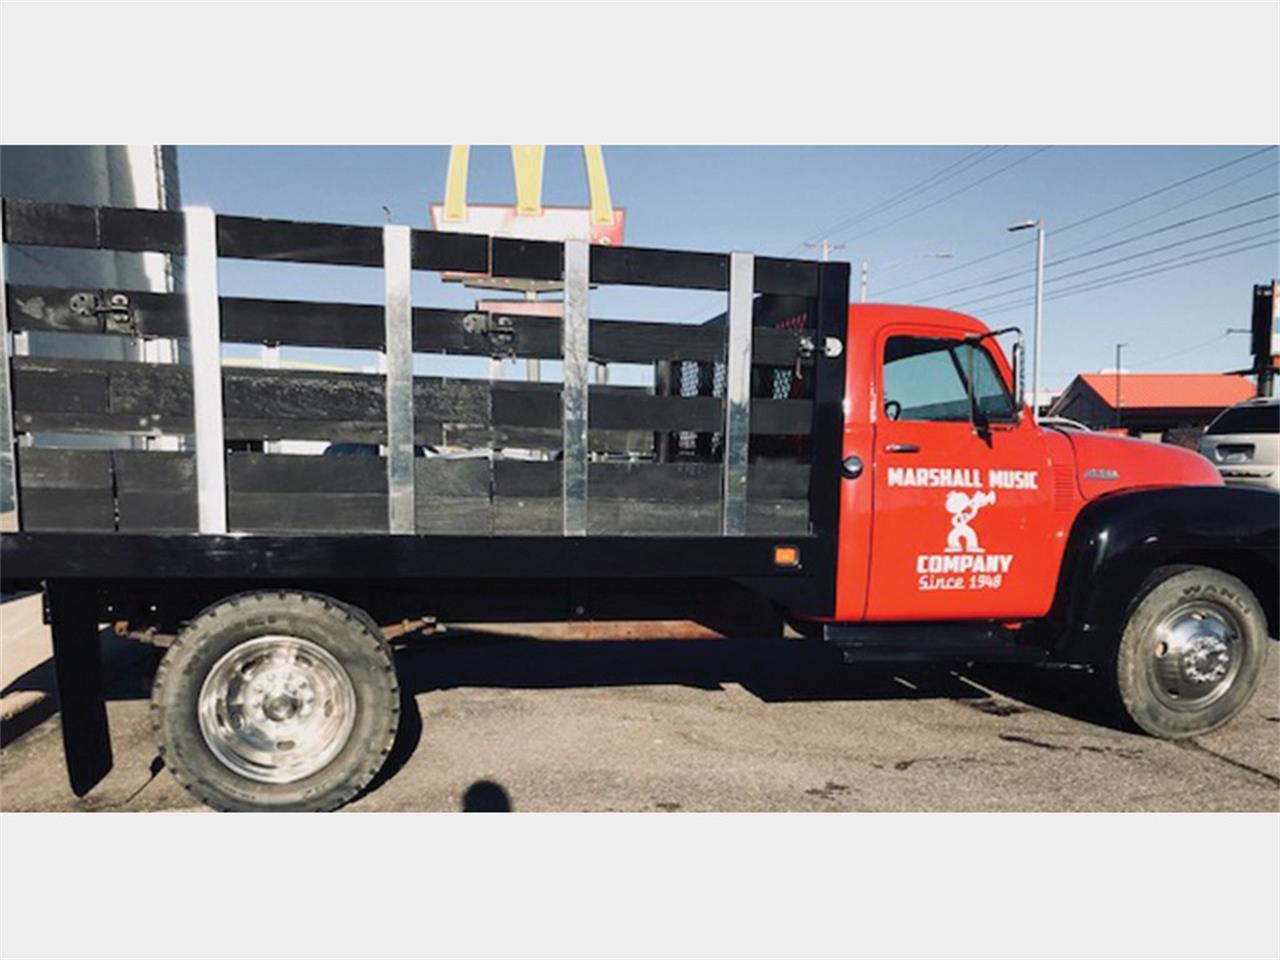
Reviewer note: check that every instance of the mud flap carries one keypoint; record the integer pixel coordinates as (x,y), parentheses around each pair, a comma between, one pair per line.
(77,662)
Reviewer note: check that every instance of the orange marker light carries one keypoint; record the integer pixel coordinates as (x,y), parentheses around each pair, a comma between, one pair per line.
(786,556)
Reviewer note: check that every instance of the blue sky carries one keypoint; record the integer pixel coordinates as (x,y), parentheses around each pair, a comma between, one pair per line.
(773,199)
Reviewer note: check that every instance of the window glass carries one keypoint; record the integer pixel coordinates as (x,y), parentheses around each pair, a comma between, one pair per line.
(1257,418)
(925,379)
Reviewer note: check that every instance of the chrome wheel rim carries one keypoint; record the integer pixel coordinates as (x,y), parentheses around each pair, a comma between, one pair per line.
(1194,655)
(276,708)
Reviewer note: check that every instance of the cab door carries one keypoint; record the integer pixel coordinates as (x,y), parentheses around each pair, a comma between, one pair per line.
(962,525)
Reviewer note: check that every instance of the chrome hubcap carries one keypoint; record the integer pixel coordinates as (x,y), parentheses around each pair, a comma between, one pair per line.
(1195,655)
(276,709)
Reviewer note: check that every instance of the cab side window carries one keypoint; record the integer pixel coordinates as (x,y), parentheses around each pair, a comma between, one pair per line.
(926,378)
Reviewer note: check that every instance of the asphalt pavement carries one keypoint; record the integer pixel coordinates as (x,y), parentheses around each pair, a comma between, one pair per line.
(707,724)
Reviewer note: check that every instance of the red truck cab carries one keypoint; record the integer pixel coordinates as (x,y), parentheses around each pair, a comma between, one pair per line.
(954,509)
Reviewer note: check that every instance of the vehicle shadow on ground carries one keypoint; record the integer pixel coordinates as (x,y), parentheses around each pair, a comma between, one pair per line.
(128,669)
(772,669)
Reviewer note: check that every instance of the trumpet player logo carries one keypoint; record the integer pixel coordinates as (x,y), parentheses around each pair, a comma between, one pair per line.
(963,508)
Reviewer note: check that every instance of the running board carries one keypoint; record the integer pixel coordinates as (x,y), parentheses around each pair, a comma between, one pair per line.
(930,642)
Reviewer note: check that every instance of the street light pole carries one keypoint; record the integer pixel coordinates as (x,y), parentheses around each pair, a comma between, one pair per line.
(1035,362)
(1119,400)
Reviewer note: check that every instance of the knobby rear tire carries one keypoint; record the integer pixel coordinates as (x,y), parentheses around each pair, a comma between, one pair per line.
(342,665)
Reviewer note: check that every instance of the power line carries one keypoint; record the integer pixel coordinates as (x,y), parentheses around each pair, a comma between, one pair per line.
(955,193)
(1271,165)
(977,284)
(1165,189)
(1171,186)
(1183,352)
(964,266)
(1127,276)
(1111,246)
(902,196)
(1139,269)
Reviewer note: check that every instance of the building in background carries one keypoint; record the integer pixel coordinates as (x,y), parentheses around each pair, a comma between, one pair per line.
(1172,407)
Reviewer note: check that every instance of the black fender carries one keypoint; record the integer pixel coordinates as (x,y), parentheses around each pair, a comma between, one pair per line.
(1117,540)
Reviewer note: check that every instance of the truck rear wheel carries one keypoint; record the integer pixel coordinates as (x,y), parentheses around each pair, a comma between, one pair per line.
(276,701)
(1191,653)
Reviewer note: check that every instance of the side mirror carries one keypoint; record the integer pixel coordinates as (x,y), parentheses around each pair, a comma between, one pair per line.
(1020,376)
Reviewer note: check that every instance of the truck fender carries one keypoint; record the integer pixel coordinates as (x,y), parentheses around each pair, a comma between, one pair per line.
(1117,540)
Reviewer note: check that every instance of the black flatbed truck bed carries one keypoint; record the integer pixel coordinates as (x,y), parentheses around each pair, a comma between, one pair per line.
(141,536)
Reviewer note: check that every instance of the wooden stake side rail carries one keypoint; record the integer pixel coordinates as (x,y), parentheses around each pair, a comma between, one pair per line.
(247,238)
(351,326)
(109,396)
(140,491)
(756,366)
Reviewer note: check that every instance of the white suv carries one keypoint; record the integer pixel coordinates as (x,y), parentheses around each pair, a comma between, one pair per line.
(1243,442)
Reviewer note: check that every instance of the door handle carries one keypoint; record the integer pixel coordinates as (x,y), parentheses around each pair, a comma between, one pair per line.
(901,448)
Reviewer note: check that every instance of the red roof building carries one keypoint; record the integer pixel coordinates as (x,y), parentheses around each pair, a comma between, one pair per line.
(1169,406)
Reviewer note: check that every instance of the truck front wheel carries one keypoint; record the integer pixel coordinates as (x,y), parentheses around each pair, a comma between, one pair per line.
(1191,653)
(276,701)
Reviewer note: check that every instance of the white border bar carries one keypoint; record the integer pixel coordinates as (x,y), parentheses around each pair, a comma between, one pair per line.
(576,350)
(201,245)
(398,275)
(737,392)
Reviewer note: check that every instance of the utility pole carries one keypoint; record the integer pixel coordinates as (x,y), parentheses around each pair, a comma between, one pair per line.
(826,246)
(1038,224)
(862,285)
(1119,399)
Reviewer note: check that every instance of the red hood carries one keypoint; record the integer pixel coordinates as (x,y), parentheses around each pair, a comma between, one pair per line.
(1105,464)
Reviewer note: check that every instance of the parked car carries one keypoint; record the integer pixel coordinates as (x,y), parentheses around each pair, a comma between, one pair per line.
(1243,442)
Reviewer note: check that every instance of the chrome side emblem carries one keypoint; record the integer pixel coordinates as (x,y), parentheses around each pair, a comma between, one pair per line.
(1100,473)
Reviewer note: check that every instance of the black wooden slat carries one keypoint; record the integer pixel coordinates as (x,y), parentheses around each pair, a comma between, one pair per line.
(50,224)
(248,238)
(288,475)
(307,512)
(52,508)
(435,515)
(157,511)
(57,386)
(108,228)
(251,238)
(49,308)
(155,471)
(681,482)
(436,477)
(532,479)
(787,277)
(150,391)
(89,395)
(527,259)
(47,468)
(642,266)
(517,516)
(360,326)
(631,408)
(123,228)
(302,323)
(434,250)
